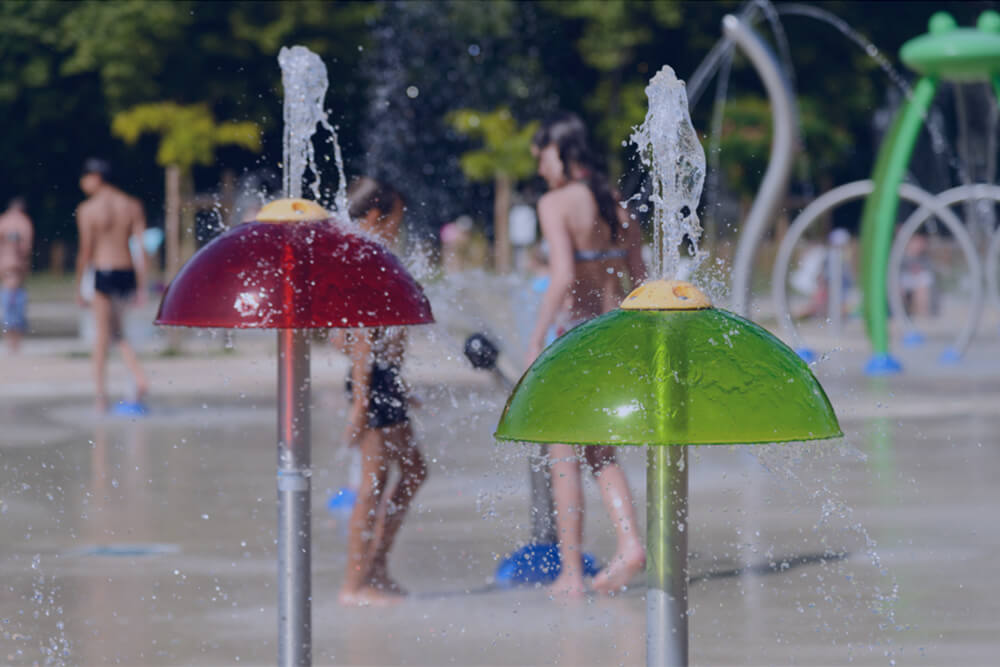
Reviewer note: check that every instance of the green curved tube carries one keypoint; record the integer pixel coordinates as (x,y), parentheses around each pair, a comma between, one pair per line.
(878,221)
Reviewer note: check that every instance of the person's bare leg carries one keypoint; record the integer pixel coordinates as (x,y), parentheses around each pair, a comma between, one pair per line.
(102,338)
(13,341)
(356,589)
(922,301)
(132,363)
(567,496)
(630,554)
(413,473)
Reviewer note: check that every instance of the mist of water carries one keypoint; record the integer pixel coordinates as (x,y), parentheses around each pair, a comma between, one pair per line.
(668,145)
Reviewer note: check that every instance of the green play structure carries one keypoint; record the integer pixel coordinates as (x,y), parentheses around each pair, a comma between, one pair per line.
(946,53)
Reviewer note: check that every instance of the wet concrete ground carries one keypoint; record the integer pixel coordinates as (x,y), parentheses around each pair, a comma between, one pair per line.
(151,541)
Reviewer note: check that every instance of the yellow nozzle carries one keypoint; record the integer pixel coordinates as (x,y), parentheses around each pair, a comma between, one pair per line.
(291,210)
(666,295)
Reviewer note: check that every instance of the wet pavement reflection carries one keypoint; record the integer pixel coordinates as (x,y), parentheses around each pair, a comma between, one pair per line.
(151,542)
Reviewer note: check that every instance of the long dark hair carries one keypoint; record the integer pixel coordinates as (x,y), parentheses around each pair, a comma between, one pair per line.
(569,135)
(365,194)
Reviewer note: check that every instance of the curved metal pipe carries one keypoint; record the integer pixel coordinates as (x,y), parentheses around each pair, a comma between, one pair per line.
(944,200)
(927,204)
(784,143)
(992,269)
(779,291)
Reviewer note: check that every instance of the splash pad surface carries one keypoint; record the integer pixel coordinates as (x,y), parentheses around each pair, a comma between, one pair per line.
(918,492)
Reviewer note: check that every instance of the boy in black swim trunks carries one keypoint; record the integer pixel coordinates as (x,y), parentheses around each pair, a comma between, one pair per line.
(107,220)
(378,424)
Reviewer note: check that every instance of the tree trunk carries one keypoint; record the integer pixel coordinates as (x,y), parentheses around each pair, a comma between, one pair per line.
(501,228)
(189,243)
(228,199)
(172,231)
(172,221)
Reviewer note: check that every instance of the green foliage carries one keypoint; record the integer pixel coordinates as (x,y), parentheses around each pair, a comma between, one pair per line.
(506,147)
(631,110)
(613,28)
(67,69)
(745,144)
(123,42)
(189,135)
(267,26)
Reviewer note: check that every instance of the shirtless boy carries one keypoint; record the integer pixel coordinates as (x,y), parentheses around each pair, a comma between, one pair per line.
(106,220)
(16,236)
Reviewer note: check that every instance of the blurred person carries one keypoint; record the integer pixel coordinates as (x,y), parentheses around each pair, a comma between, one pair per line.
(455,239)
(378,424)
(106,221)
(813,276)
(592,245)
(916,276)
(16,238)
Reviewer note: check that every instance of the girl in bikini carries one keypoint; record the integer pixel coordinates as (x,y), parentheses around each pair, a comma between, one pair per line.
(378,424)
(593,246)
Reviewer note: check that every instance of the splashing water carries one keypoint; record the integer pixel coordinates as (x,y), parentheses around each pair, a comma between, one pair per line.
(668,145)
(305,80)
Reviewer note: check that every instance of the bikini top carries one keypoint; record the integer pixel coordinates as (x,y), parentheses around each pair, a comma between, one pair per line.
(599,255)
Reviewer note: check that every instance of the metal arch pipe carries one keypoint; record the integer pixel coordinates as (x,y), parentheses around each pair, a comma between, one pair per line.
(784,144)
(942,202)
(992,269)
(827,202)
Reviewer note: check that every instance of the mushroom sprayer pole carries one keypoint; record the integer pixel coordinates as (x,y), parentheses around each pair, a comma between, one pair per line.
(294,458)
(667,501)
(293,268)
(653,372)
(666,555)
(294,501)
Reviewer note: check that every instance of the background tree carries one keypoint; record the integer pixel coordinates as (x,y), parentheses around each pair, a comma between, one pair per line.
(611,31)
(505,159)
(67,68)
(189,135)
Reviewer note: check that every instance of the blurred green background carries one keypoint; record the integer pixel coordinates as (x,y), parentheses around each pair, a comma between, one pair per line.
(400,73)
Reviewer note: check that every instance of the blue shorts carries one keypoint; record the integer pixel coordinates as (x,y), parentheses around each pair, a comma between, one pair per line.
(14,309)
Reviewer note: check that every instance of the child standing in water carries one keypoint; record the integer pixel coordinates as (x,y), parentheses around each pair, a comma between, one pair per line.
(592,247)
(378,424)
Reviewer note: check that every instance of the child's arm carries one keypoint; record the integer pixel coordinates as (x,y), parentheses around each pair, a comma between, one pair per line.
(360,351)
(341,339)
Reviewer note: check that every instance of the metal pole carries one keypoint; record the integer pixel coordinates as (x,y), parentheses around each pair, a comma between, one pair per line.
(939,206)
(666,557)
(294,515)
(543,524)
(878,219)
(784,144)
(835,288)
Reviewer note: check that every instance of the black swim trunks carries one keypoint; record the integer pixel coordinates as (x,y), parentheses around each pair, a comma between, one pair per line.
(386,396)
(115,283)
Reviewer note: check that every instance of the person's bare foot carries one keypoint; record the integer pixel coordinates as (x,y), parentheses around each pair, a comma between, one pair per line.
(380,580)
(367,596)
(620,569)
(568,586)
